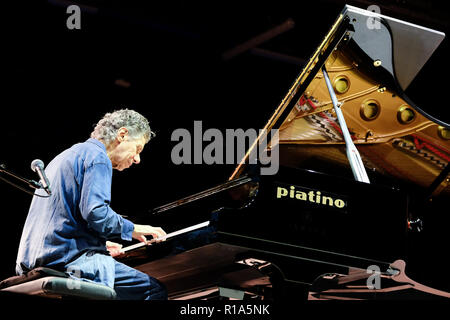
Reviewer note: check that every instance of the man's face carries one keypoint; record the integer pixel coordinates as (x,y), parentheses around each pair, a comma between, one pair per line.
(126,153)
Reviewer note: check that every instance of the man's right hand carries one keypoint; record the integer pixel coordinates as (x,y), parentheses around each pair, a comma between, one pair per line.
(140,231)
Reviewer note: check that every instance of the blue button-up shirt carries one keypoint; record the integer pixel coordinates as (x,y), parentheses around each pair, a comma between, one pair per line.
(77,216)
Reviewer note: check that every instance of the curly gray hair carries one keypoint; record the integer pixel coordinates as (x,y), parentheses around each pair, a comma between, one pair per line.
(137,125)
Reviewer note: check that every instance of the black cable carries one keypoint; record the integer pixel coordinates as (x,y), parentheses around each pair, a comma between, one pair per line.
(20,188)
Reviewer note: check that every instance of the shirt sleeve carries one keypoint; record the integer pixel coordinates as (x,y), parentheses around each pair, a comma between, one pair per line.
(95,204)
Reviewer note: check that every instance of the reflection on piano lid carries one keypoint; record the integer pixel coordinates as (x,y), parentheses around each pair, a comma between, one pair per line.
(370,66)
(301,228)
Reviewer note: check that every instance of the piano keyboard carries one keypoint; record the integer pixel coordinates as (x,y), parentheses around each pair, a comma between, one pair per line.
(167,236)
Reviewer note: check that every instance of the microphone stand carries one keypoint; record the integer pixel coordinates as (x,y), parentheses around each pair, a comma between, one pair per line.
(31,183)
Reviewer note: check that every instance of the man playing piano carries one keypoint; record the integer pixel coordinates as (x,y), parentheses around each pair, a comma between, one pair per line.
(68,231)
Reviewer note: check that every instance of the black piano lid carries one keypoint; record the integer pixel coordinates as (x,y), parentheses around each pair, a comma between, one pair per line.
(403,48)
(407,38)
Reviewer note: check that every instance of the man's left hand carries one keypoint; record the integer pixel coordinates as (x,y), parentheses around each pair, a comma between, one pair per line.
(114,248)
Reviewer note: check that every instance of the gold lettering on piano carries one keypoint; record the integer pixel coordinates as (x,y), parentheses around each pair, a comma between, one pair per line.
(313,196)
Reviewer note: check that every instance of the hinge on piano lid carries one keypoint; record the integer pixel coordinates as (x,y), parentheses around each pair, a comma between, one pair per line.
(349,32)
(347,37)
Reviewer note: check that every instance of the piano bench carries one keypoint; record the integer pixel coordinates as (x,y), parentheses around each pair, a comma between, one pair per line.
(55,284)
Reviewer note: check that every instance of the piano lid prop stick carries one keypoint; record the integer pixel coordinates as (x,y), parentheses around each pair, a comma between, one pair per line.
(359,172)
(167,236)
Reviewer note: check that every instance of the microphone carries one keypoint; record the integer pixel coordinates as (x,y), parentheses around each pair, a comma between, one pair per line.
(38,166)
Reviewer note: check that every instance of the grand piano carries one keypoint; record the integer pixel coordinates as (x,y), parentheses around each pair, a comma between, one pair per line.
(314,231)
(359,163)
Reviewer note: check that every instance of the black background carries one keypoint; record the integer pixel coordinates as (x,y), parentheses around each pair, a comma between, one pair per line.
(57,83)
